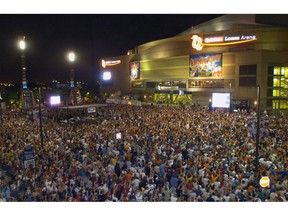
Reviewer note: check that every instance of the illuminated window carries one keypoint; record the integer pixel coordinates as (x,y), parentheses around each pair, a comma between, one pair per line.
(275,104)
(278,87)
(276,82)
(275,93)
(283,104)
(276,70)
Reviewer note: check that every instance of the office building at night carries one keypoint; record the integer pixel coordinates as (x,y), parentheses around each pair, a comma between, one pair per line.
(232,54)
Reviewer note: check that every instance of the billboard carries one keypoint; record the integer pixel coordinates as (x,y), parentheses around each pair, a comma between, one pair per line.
(135,70)
(206,65)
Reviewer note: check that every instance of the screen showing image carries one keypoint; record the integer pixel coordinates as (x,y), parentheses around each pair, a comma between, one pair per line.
(55,100)
(221,100)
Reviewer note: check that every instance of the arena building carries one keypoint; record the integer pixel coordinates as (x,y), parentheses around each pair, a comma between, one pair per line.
(233,54)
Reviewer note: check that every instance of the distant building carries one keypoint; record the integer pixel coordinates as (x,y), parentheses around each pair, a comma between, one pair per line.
(230,54)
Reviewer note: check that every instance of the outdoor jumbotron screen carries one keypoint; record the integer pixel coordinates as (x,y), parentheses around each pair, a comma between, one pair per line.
(221,100)
(55,100)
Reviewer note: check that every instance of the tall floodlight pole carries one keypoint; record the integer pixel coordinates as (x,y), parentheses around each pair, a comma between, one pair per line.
(40,119)
(26,98)
(22,46)
(71,58)
(257,131)
(75,96)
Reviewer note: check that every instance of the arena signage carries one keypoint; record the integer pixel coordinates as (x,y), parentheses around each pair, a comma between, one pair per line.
(110,63)
(198,42)
(217,39)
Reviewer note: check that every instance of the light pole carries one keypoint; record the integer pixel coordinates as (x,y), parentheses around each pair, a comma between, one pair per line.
(71,58)
(22,46)
(257,131)
(74,91)
(40,119)
(26,95)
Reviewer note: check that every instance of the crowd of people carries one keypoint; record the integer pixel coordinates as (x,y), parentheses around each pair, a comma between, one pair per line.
(142,154)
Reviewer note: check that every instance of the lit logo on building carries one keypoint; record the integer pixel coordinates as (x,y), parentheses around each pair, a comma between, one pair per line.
(110,63)
(216,39)
(198,43)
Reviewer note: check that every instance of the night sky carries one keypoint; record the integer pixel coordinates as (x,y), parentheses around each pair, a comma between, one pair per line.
(92,36)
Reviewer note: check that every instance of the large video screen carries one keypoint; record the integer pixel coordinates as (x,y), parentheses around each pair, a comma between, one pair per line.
(221,100)
(206,65)
(55,100)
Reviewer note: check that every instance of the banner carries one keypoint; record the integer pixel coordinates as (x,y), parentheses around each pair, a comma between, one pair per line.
(135,70)
(29,156)
(206,65)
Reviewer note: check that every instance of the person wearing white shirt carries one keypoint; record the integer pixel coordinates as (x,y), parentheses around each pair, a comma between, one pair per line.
(139,197)
(201,172)
(135,182)
(226,198)
(173,198)
(216,198)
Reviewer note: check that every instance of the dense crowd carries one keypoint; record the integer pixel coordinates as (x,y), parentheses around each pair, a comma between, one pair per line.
(163,154)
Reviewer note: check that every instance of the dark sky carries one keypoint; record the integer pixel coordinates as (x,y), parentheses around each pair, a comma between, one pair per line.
(92,36)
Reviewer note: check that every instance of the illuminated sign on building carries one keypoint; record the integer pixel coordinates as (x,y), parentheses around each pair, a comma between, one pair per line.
(216,39)
(168,87)
(110,63)
(198,44)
